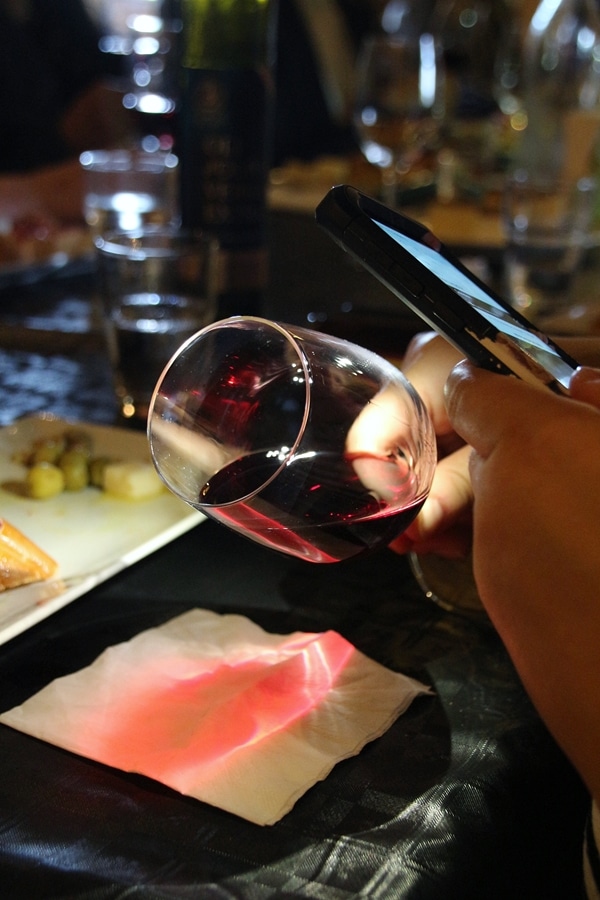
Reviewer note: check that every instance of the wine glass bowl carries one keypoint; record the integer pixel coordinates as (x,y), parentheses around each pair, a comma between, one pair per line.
(399,104)
(301,441)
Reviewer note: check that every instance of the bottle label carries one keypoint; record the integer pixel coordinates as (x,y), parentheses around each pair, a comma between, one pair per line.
(224,155)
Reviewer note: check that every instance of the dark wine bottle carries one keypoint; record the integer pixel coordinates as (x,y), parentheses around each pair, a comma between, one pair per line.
(224,138)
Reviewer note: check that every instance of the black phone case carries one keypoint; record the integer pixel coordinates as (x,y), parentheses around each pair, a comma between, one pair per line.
(345,213)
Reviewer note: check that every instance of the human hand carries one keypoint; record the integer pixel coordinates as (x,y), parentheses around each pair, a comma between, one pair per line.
(58,191)
(444,524)
(536,481)
(52,195)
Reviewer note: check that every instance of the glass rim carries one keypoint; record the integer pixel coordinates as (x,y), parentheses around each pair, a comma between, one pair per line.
(138,243)
(124,159)
(238,322)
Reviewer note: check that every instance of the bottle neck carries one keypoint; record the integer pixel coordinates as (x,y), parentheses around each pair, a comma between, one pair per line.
(224,138)
(238,34)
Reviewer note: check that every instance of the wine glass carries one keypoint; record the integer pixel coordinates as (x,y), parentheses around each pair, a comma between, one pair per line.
(449,583)
(547,222)
(301,441)
(399,104)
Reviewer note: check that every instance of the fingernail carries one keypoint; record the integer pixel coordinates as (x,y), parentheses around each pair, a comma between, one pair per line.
(585,375)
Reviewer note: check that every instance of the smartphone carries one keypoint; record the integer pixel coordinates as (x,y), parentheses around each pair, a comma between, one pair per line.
(406,257)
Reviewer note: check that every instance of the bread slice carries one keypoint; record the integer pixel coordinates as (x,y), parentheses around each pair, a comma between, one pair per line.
(21,561)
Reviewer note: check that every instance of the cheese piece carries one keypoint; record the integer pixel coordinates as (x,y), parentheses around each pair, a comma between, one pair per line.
(132,480)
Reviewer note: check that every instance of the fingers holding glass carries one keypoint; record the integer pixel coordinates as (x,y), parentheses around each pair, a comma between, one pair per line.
(303,442)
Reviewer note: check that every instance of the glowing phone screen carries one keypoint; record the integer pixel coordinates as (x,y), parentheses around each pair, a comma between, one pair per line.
(531,342)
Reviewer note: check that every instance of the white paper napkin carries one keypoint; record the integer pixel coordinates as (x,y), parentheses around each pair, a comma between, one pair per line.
(216,708)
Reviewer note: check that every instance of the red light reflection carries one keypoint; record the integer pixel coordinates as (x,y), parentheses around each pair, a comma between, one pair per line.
(272,532)
(182,721)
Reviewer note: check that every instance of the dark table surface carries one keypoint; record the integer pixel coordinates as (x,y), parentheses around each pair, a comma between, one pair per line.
(466,796)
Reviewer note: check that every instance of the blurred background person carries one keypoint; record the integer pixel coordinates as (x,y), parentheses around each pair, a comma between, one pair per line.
(318,42)
(55,101)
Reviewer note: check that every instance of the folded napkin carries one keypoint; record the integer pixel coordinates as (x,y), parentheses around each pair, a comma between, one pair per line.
(216,708)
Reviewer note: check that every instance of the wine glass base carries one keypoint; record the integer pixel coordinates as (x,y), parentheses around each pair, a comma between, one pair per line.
(450,584)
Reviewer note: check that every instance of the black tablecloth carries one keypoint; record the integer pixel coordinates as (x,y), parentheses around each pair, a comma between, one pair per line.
(466,796)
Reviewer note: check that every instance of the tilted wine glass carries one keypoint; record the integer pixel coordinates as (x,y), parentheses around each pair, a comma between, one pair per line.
(301,441)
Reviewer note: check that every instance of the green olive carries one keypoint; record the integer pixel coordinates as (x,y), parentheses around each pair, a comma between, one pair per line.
(47,450)
(74,466)
(45,480)
(78,440)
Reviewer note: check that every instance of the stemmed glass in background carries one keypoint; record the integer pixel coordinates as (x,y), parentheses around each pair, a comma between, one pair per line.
(399,104)
(550,200)
(547,226)
(306,443)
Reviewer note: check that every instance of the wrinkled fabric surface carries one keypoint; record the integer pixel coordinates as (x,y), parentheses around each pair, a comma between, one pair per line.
(464,796)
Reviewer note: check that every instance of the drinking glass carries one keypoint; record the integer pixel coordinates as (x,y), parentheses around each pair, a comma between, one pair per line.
(157,286)
(547,226)
(125,190)
(399,104)
(301,441)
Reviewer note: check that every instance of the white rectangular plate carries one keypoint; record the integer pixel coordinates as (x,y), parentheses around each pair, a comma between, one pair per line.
(91,536)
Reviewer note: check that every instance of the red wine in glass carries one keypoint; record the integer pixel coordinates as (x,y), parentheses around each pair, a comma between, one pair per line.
(301,441)
(332,516)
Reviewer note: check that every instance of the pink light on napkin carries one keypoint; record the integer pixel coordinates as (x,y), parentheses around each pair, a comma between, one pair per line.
(218,709)
(178,718)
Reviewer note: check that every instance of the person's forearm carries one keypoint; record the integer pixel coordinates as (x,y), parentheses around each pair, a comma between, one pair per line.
(54,193)
(15,197)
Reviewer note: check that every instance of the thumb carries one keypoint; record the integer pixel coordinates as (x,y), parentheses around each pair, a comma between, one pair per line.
(585,385)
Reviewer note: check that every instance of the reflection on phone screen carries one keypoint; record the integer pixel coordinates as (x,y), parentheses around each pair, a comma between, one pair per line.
(531,342)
